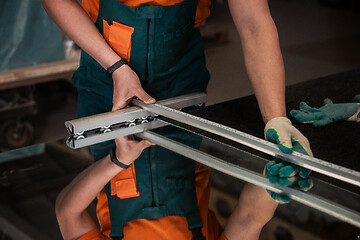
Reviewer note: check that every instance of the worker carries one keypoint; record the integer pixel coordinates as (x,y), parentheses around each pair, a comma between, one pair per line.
(152,49)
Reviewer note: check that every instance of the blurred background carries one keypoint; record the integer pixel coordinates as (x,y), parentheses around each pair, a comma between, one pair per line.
(318,38)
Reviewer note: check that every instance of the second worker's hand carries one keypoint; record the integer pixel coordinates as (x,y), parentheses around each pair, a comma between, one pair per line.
(128,149)
(126,87)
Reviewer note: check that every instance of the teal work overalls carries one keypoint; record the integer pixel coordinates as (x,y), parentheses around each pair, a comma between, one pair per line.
(168,56)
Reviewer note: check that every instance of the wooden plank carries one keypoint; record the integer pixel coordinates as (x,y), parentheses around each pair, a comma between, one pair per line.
(38,74)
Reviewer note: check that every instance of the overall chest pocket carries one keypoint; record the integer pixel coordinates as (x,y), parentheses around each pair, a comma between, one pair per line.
(119,38)
(124,185)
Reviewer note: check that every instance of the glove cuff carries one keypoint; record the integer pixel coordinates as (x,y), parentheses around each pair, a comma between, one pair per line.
(356,116)
(276,121)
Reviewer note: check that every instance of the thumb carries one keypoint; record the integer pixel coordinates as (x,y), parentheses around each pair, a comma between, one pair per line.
(146,98)
(144,144)
(119,105)
(282,137)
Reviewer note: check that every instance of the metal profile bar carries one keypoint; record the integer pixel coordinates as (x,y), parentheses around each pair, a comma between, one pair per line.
(110,118)
(79,143)
(308,199)
(315,164)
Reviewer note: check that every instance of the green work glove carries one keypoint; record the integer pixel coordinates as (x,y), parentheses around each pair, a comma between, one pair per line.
(326,114)
(281,131)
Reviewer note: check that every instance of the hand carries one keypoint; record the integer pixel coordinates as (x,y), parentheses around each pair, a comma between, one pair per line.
(127,86)
(284,174)
(128,149)
(304,184)
(326,114)
(281,131)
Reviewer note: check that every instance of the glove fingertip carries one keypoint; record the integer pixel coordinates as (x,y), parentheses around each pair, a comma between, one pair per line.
(270,164)
(285,147)
(294,112)
(280,198)
(328,101)
(304,172)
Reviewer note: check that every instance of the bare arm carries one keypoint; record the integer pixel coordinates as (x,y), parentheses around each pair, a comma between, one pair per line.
(253,210)
(71,204)
(74,21)
(262,54)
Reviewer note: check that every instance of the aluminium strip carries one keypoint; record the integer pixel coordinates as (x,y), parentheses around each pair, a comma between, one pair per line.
(315,164)
(79,143)
(123,115)
(311,200)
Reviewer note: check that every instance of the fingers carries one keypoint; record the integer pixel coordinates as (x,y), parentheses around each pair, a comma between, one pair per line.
(119,104)
(274,168)
(305,184)
(279,198)
(322,122)
(306,117)
(143,96)
(300,142)
(144,144)
(304,172)
(284,141)
(306,108)
(288,171)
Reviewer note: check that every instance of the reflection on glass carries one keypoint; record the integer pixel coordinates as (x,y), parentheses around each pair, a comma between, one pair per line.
(335,191)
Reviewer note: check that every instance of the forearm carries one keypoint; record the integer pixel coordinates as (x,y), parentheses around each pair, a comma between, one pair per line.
(266,72)
(253,210)
(74,21)
(263,59)
(73,200)
(85,187)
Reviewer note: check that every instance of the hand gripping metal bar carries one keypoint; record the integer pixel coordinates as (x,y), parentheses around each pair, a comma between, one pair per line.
(315,164)
(87,131)
(110,118)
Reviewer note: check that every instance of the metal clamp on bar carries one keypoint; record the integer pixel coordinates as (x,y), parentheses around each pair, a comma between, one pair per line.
(106,126)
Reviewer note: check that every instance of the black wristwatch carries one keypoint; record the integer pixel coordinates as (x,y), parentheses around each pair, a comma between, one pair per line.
(116,161)
(115,66)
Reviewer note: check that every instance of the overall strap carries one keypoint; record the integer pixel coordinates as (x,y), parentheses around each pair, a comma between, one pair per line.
(195,226)
(197,235)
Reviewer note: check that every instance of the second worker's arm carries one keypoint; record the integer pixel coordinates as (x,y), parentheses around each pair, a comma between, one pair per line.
(73,218)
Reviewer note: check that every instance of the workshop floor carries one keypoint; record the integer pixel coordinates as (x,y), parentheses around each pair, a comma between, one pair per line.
(315,40)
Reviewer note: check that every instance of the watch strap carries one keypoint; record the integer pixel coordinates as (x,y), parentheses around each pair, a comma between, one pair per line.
(116,161)
(115,66)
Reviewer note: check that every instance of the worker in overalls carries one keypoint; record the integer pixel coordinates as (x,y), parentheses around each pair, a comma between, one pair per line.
(152,49)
